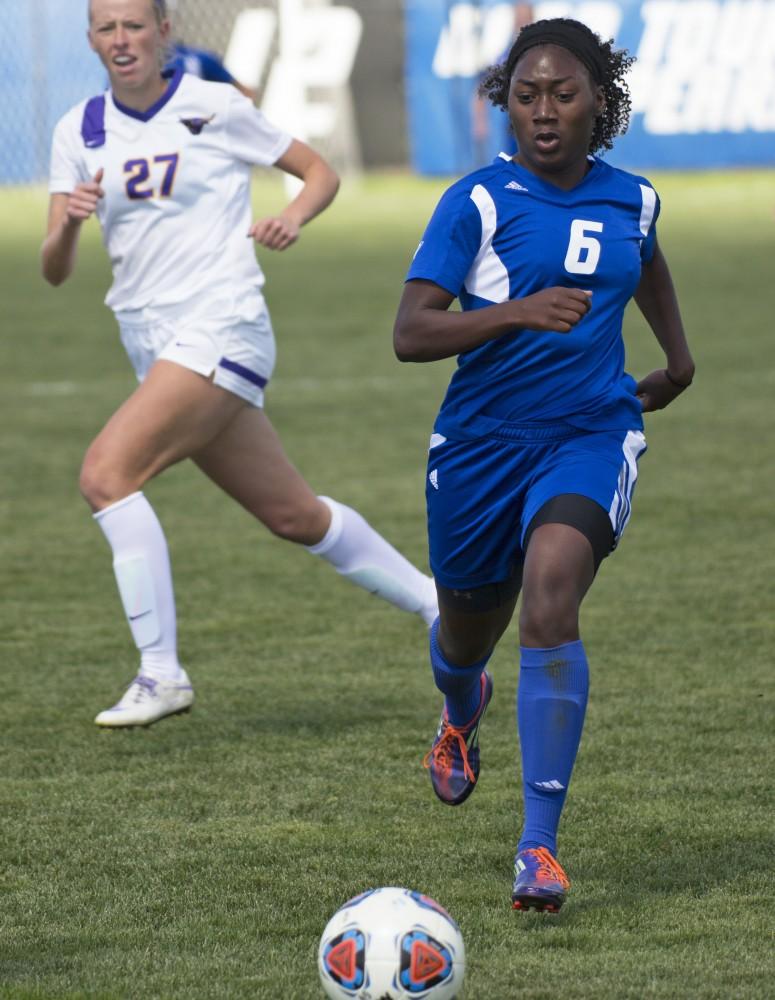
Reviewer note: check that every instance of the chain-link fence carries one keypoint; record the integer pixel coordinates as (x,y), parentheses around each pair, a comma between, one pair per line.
(203,23)
(46,66)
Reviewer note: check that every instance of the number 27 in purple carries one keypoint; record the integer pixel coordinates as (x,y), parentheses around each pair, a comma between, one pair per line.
(140,171)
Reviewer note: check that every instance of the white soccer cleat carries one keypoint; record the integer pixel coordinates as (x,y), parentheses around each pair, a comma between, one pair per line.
(146,701)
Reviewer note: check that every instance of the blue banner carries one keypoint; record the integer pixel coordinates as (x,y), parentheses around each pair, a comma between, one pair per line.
(703,86)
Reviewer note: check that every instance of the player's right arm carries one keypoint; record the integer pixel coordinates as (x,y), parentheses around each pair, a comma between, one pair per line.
(66,214)
(425,330)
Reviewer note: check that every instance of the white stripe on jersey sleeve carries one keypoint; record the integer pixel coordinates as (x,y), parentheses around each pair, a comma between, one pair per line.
(648,208)
(488,278)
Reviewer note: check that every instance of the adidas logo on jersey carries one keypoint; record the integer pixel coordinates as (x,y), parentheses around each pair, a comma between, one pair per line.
(433,476)
(195,125)
(515,186)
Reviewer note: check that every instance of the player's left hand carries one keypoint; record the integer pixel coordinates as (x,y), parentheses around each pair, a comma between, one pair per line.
(274,232)
(657,390)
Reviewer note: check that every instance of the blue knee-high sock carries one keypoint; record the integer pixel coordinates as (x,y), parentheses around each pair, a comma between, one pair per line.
(460,685)
(551,701)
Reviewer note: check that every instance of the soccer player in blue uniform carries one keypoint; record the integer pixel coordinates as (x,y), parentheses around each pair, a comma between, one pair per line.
(533,459)
(206,65)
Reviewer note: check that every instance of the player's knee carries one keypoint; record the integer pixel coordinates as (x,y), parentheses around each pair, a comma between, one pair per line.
(89,482)
(295,523)
(549,615)
(465,651)
(100,484)
(465,645)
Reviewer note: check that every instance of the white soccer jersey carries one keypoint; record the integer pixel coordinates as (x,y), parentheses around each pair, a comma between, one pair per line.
(176,210)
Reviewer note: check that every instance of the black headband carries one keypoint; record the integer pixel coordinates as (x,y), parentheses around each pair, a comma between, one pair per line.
(579,41)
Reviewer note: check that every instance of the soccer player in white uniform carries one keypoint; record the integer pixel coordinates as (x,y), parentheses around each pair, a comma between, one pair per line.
(164,162)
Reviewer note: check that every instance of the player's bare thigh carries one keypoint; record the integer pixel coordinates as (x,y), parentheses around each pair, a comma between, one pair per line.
(172,415)
(247,461)
(559,570)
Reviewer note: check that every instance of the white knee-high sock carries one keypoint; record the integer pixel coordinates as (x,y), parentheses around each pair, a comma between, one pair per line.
(144,577)
(356,551)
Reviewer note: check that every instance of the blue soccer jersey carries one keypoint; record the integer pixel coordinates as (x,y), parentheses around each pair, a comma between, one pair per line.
(502,233)
(199,62)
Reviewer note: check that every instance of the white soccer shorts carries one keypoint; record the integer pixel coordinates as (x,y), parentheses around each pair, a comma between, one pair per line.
(239,354)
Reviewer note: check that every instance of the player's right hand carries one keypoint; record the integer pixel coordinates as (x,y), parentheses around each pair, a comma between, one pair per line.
(83,201)
(558,309)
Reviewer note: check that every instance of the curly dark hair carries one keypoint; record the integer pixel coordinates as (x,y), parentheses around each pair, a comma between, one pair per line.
(606,66)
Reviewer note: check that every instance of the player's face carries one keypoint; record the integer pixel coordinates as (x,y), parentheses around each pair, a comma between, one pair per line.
(129,39)
(553,104)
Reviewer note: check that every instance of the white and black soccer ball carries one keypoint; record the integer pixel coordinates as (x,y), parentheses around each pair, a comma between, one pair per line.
(391,944)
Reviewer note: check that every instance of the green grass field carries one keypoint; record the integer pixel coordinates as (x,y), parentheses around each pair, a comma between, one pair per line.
(201,858)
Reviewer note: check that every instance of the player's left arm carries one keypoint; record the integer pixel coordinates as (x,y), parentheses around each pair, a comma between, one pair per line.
(321,183)
(656,299)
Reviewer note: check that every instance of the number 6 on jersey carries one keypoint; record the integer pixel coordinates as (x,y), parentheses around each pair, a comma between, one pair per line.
(583,250)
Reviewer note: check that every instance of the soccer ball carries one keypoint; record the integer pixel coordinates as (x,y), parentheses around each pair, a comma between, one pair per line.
(391,944)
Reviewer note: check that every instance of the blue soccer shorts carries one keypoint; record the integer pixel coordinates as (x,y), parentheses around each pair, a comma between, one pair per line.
(481,495)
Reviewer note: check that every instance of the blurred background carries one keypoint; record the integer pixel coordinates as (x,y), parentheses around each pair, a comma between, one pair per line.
(381,84)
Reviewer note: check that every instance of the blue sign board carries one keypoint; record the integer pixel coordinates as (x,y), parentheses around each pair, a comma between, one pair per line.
(703,86)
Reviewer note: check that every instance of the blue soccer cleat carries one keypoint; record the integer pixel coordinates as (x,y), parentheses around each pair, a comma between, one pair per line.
(539,881)
(453,760)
